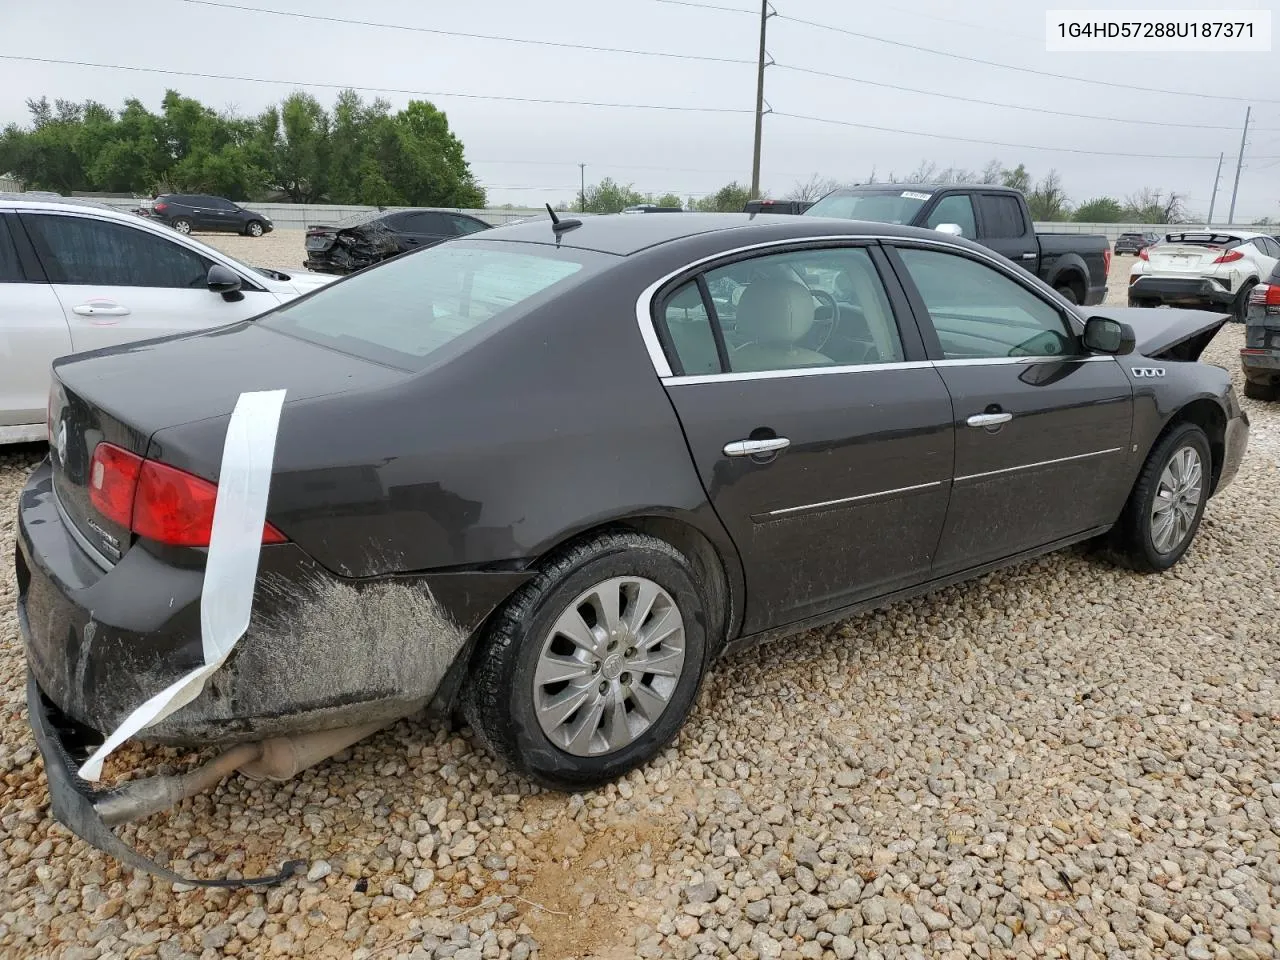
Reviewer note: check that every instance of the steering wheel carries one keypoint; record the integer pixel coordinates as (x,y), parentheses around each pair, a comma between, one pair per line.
(827,300)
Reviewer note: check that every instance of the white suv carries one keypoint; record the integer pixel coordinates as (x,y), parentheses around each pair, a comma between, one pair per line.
(77,276)
(1203,268)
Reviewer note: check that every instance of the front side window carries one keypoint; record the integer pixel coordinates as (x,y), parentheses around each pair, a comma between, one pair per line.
(957,209)
(804,308)
(404,311)
(978,312)
(81,250)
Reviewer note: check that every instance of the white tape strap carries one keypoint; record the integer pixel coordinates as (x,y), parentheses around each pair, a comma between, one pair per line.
(226,600)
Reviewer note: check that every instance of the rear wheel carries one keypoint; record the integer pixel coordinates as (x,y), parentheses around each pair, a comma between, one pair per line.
(1240,306)
(1164,509)
(592,667)
(182,225)
(1069,292)
(1261,391)
(253,228)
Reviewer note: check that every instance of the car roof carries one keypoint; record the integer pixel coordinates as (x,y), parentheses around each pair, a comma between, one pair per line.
(624,235)
(19,201)
(929,187)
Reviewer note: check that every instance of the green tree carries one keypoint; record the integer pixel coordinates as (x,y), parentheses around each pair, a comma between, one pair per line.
(731,198)
(669,200)
(1100,210)
(1048,201)
(1016,179)
(608,196)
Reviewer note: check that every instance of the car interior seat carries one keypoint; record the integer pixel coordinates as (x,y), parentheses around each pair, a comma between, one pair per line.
(772,316)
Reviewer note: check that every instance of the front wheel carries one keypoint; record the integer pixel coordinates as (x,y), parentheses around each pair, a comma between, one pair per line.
(1164,510)
(254,228)
(591,668)
(182,225)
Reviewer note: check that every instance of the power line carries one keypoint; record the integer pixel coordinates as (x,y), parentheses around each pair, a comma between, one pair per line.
(999,143)
(369,89)
(996,103)
(1010,66)
(345,21)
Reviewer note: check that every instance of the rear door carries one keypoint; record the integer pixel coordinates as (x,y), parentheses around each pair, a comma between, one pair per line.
(1042,447)
(118,283)
(421,228)
(825,449)
(1006,230)
(33,333)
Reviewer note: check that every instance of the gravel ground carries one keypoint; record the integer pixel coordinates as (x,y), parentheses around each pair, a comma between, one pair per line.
(1057,760)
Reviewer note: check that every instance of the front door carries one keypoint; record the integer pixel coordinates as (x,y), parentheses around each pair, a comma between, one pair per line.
(1042,429)
(822,437)
(118,283)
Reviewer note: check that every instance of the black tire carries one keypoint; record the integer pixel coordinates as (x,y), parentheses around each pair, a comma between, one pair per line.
(254,228)
(1132,544)
(182,225)
(1069,292)
(1240,305)
(1148,304)
(498,701)
(1261,391)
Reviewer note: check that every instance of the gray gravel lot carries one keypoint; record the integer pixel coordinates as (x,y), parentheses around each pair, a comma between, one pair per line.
(1059,760)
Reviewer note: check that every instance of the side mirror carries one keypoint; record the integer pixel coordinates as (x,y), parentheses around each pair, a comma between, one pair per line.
(1104,335)
(951,229)
(223,280)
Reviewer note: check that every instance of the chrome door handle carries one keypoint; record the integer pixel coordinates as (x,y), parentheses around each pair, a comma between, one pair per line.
(753,448)
(989,419)
(1029,256)
(100,310)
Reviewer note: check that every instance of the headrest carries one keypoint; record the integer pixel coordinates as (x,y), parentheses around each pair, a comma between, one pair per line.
(775,311)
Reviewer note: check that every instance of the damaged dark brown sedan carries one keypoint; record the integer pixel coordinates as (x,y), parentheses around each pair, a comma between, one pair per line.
(367,238)
(549,472)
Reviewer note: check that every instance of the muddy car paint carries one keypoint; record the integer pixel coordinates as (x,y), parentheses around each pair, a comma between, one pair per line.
(405,534)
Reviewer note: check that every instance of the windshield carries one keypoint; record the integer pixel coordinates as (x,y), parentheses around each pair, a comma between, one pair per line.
(404,311)
(879,206)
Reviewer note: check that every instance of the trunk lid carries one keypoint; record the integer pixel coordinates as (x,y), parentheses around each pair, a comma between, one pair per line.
(1189,253)
(320,239)
(124,395)
(1168,334)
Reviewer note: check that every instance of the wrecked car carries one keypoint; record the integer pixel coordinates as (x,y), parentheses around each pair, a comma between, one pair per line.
(368,238)
(550,472)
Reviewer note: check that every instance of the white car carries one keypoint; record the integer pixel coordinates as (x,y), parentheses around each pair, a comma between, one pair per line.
(76,276)
(1203,268)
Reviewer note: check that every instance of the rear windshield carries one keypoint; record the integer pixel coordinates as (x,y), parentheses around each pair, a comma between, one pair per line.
(879,206)
(405,311)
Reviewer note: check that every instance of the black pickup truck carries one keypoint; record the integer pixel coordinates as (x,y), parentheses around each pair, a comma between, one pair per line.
(1075,264)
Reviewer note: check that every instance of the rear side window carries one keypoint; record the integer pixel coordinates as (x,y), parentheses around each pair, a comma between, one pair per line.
(419,223)
(10,268)
(1001,216)
(80,250)
(465,225)
(689,329)
(403,311)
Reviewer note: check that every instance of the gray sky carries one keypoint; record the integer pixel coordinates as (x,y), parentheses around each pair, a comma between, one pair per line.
(529,153)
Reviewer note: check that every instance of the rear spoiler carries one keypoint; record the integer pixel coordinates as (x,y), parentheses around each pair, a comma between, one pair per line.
(1212,238)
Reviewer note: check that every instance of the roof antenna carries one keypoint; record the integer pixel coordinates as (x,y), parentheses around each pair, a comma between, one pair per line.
(559,226)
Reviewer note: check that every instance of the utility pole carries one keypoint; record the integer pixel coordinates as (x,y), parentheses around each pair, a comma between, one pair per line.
(755,156)
(582,193)
(1217,178)
(1231,216)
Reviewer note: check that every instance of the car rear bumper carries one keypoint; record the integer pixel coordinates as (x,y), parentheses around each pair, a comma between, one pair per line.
(1180,290)
(1260,363)
(322,652)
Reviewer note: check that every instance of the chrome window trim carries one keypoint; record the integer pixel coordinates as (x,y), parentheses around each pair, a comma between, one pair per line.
(676,380)
(787,511)
(645,304)
(1039,463)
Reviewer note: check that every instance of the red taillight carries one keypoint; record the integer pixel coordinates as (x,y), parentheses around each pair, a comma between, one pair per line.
(1142,254)
(155,500)
(113,478)
(160,207)
(1231,256)
(1273,295)
(1106,262)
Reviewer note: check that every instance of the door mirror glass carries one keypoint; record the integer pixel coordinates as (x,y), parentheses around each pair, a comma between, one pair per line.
(223,279)
(951,229)
(1104,335)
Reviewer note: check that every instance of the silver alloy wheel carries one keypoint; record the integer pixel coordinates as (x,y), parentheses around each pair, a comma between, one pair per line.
(1177,499)
(255,229)
(182,226)
(609,666)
